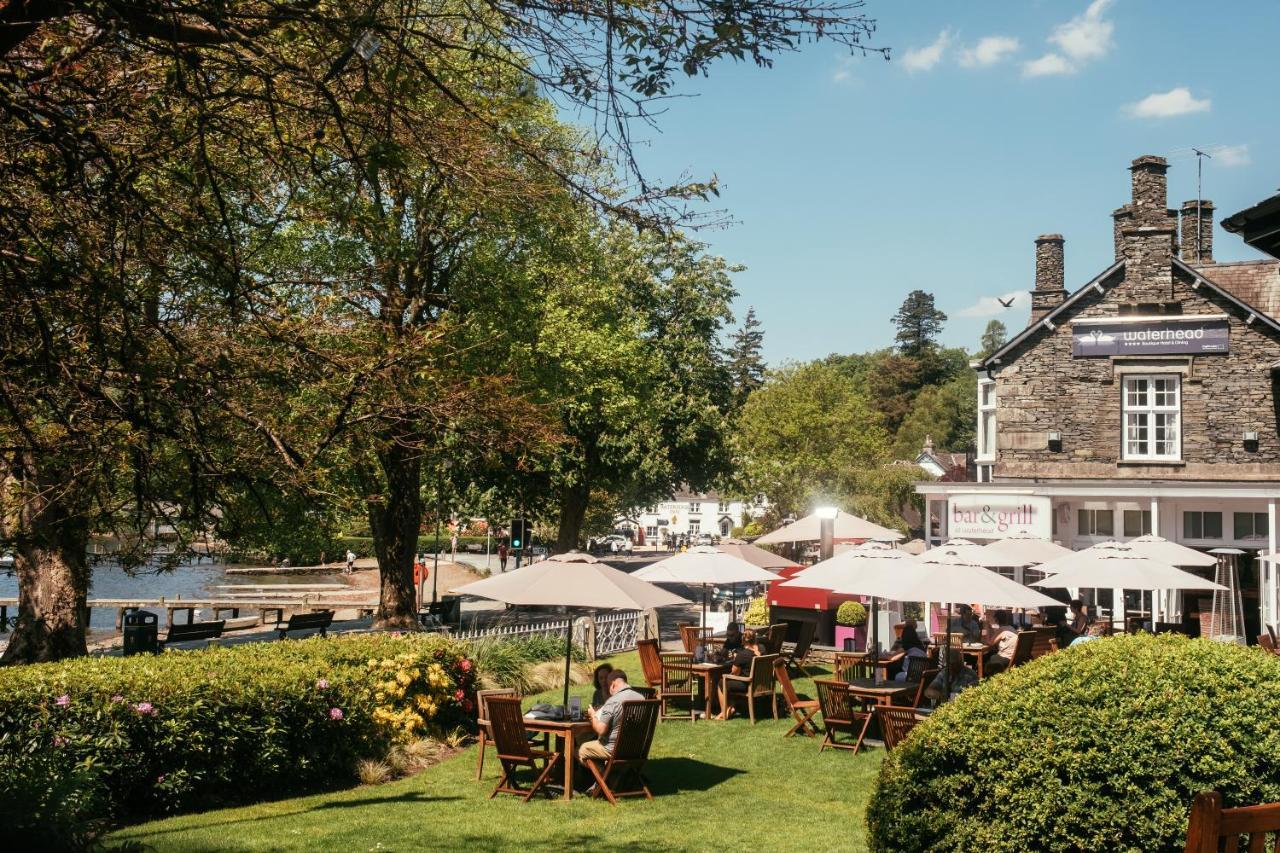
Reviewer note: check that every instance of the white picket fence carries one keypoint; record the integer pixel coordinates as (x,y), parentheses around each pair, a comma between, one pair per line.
(600,636)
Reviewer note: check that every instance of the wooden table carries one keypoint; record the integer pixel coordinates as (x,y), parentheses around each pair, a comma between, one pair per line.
(707,675)
(885,693)
(568,733)
(979,652)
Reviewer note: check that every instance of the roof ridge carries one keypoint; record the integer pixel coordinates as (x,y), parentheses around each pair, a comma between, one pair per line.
(1257,261)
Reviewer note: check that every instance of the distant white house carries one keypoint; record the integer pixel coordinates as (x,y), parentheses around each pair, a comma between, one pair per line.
(689,514)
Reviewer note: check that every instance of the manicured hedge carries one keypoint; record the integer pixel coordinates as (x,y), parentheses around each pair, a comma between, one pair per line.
(109,739)
(1098,747)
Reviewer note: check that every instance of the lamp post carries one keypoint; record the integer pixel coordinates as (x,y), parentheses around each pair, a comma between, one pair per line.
(435,566)
(827,528)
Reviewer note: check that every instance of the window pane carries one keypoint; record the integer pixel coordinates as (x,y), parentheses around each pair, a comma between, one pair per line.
(1083,523)
(1243,525)
(1192,525)
(1212,525)
(988,393)
(1104,522)
(1132,523)
(1260,525)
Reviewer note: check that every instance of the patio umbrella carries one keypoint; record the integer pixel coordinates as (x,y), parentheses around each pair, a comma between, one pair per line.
(847,526)
(1021,549)
(571,580)
(755,555)
(1118,565)
(703,565)
(1161,549)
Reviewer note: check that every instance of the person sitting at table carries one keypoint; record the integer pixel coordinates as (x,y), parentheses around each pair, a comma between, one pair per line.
(910,645)
(964,622)
(962,678)
(1096,631)
(991,626)
(1005,640)
(604,720)
(740,664)
(732,638)
(600,680)
(1080,618)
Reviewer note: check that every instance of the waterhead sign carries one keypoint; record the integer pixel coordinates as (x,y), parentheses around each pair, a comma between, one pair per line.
(1188,336)
(980,516)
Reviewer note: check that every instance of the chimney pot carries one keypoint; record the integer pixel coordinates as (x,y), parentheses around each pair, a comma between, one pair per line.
(1197,231)
(1050,289)
(1150,190)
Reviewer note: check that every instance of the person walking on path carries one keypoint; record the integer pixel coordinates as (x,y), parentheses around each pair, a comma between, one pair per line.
(502,556)
(351,562)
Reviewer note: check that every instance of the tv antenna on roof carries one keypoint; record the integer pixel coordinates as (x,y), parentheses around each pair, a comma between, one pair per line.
(1200,155)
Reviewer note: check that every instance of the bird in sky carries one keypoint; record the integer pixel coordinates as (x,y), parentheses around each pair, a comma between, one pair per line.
(1006,302)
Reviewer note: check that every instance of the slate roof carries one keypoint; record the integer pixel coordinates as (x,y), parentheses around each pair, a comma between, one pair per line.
(1256,283)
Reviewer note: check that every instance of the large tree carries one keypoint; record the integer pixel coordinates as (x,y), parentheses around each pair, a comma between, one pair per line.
(993,337)
(919,322)
(745,362)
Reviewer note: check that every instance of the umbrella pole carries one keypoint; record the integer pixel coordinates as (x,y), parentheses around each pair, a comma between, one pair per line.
(875,642)
(568,654)
(947,653)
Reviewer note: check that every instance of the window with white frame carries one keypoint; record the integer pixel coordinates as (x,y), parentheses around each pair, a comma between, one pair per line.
(695,526)
(1137,522)
(724,506)
(1095,522)
(1152,412)
(1197,524)
(695,509)
(651,531)
(1250,525)
(987,419)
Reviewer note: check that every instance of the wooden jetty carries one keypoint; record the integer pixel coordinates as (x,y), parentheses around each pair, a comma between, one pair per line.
(327,568)
(266,604)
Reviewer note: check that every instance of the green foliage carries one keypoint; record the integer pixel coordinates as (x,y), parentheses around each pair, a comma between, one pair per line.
(1098,747)
(919,323)
(946,413)
(757,614)
(745,363)
(508,663)
(851,613)
(994,336)
(105,739)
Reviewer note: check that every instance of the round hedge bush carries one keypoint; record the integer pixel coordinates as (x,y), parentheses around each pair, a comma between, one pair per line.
(851,613)
(1098,747)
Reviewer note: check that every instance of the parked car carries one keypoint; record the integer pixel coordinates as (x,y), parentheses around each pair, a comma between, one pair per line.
(617,544)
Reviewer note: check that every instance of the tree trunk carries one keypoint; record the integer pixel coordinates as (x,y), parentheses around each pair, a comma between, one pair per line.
(50,544)
(573,509)
(394,521)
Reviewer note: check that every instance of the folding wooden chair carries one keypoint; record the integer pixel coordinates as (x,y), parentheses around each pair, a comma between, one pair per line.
(850,666)
(804,640)
(514,752)
(802,710)
(692,636)
(926,678)
(636,722)
(842,713)
(482,719)
(1022,652)
(677,685)
(895,724)
(773,637)
(1212,828)
(759,682)
(915,668)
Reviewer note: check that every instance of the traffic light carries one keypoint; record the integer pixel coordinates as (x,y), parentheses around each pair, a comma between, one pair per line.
(519,533)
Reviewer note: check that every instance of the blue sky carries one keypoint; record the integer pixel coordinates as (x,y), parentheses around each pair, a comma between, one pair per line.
(853,181)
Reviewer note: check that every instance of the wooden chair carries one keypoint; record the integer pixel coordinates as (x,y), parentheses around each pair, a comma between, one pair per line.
(692,636)
(636,722)
(777,634)
(850,666)
(482,719)
(759,682)
(1022,652)
(1046,641)
(800,651)
(842,714)
(677,686)
(926,678)
(1212,828)
(915,668)
(802,710)
(895,724)
(1266,643)
(506,723)
(652,659)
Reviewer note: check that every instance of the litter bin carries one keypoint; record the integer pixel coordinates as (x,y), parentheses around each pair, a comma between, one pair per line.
(140,633)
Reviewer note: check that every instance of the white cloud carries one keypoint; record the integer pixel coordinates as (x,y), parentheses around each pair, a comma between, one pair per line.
(1049,64)
(925,58)
(988,51)
(1086,37)
(844,71)
(1231,155)
(1175,102)
(989,306)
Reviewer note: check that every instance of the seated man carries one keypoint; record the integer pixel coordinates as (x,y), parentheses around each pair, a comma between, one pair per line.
(1006,642)
(961,678)
(605,718)
(964,622)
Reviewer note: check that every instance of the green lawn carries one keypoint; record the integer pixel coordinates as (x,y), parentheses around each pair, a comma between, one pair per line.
(716,786)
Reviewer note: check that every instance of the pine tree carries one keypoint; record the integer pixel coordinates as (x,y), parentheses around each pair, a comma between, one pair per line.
(993,337)
(919,322)
(745,362)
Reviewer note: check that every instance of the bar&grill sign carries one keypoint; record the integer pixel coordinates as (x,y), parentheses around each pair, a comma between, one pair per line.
(1149,337)
(988,516)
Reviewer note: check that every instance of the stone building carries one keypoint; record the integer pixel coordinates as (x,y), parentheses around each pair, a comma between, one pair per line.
(1143,401)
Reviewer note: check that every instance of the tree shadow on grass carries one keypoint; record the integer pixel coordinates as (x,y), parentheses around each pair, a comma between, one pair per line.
(675,774)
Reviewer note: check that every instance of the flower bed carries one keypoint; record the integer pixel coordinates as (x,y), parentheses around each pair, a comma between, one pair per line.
(104,739)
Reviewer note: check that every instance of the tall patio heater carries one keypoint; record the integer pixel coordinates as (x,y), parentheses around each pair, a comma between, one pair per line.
(1226,616)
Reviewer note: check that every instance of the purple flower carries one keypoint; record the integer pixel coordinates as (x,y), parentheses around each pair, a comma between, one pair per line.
(145,708)
(62,701)
(335,713)
(117,698)
(159,778)
(322,684)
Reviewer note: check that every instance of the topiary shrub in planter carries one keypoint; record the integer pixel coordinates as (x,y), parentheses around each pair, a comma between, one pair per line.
(1098,747)
(757,614)
(851,613)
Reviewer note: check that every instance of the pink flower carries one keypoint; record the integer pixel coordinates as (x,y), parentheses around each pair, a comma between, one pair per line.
(59,740)
(145,708)
(62,701)
(335,713)
(464,665)
(459,695)
(159,778)
(117,698)
(322,684)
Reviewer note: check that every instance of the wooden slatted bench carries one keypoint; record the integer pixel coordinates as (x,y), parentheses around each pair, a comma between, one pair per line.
(1212,828)
(193,631)
(316,620)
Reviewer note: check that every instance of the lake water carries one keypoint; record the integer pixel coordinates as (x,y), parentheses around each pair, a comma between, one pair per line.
(190,580)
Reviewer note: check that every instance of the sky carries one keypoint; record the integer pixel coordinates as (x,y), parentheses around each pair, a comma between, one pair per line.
(851,181)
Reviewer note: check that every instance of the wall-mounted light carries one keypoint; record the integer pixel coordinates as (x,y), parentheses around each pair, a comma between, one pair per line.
(1250,440)
(1055,442)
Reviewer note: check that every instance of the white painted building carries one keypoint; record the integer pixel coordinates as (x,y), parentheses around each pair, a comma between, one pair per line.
(689,514)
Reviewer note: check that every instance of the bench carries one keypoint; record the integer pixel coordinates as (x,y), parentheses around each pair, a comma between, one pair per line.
(315,620)
(193,631)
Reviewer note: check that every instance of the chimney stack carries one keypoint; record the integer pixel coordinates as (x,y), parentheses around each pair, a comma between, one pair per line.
(1149,231)
(1197,231)
(1050,290)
